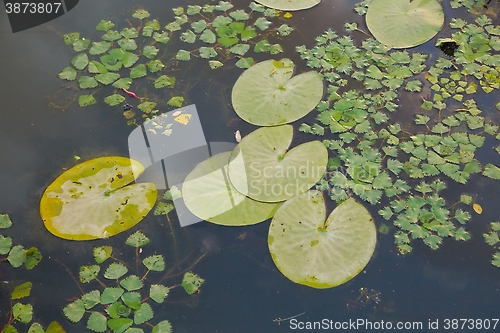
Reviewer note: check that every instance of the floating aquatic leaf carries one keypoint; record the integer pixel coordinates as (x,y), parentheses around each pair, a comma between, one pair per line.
(291,173)
(138,71)
(289,5)
(477,208)
(119,325)
(154,263)
(91,299)
(86,100)
(22,313)
(158,292)
(111,295)
(191,282)
(491,171)
(80,61)
(97,322)
(137,239)
(143,314)
(99,47)
(248,33)
(208,37)
(88,273)
(104,25)
(132,299)
(69,205)
(162,327)
(102,253)
(17,256)
(403,24)
(87,82)
(164,81)
(21,291)
(141,14)
(71,37)
(278,98)
(207,52)
(183,55)
(209,195)
(74,311)
(299,233)
(214,64)
(5,244)
(131,283)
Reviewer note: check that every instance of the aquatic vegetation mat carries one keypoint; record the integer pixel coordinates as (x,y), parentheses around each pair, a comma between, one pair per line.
(321,252)
(289,4)
(126,63)
(93,199)
(263,168)
(404,23)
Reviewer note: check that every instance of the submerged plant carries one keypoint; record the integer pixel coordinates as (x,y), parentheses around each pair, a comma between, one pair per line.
(125,301)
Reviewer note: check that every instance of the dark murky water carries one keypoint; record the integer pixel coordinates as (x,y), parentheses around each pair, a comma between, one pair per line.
(243,291)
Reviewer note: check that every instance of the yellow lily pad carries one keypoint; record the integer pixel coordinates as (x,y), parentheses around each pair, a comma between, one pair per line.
(93,199)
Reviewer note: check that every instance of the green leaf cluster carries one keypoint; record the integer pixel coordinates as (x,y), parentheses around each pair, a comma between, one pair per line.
(125,302)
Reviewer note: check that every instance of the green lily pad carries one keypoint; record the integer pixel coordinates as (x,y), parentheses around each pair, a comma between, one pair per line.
(266,94)
(290,5)
(263,169)
(113,100)
(208,195)
(321,254)
(402,24)
(91,200)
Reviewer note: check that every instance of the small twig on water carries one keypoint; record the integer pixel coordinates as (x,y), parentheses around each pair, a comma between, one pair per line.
(279,320)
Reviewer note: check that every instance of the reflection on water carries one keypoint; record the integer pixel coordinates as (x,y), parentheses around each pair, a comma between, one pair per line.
(243,291)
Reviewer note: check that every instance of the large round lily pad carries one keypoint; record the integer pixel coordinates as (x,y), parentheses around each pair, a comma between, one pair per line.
(209,195)
(91,200)
(263,169)
(266,94)
(401,23)
(289,4)
(321,254)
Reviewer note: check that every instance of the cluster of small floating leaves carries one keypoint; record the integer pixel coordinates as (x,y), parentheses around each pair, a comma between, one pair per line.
(358,168)
(23,313)
(17,255)
(221,32)
(117,60)
(492,238)
(129,303)
(338,59)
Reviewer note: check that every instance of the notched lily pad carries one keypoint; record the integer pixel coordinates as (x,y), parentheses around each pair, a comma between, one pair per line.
(92,200)
(289,4)
(262,168)
(266,94)
(321,254)
(402,24)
